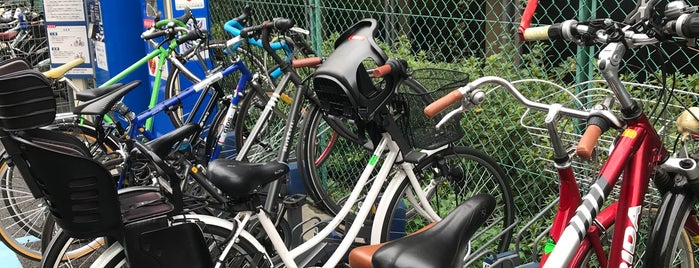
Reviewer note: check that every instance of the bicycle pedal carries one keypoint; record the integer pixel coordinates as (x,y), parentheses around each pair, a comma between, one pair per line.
(507,259)
(294,200)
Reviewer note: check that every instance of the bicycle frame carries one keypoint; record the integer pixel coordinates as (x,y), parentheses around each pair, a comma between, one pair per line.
(137,124)
(637,151)
(163,54)
(311,246)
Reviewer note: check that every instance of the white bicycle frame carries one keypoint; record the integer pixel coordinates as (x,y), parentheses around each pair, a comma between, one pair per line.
(421,205)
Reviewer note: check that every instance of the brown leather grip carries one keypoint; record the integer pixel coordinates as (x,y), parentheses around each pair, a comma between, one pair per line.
(381,71)
(588,141)
(307,62)
(442,103)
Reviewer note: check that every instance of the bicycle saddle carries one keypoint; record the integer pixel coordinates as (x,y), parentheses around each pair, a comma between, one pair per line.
(93,93)
(7,36)
(162,145)
(438,245)
(239,179)
(102,105)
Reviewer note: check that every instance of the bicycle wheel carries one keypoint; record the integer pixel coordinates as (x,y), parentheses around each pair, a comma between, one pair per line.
(329,163)
(265,146)
(449,177)
(242,254)
(22,216)
(668,241)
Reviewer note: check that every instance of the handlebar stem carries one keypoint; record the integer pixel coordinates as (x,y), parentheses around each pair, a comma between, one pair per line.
(609,60)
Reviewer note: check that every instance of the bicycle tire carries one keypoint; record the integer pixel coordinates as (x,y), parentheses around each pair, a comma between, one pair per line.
(269,139)
(244,252)
(328,181)
(22,217)
(473,172)
(668,241)
(329,164)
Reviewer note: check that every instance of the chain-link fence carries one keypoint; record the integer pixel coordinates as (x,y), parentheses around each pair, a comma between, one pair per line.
(480,38)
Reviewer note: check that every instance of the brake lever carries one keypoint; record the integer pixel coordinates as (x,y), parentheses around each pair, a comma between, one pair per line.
(300,30)
(451,114)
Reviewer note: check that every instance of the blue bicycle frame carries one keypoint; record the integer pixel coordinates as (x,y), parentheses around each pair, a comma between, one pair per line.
(136,126)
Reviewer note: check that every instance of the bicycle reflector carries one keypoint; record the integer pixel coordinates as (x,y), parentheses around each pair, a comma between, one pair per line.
(342,82)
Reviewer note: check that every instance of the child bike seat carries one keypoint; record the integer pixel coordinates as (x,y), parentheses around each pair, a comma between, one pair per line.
(342,82)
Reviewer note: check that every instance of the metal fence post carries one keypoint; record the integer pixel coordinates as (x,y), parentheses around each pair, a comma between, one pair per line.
(584,55)
(315,26)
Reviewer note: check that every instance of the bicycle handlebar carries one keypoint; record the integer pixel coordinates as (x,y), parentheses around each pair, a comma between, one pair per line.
(686,25)
(587,142)
(307,62)
(279,24)
(442,103)
(471,93)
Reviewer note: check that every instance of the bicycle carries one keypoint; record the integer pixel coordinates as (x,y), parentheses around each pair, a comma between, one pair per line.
(26,39)
(97,139)
(23,214)
(164,145)
(576,230)
(240,181)
(264,86)
(84,200)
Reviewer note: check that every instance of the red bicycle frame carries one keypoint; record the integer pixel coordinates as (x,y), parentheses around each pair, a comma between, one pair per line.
(638,149)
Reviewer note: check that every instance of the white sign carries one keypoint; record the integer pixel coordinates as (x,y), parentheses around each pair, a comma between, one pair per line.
(192,4)
(68,43)
(64,10)
(101,55)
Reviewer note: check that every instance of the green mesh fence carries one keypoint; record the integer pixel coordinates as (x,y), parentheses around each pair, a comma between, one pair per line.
(479,38)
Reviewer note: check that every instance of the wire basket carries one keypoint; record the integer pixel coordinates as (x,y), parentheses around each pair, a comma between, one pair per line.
(570,130)
(408,105)
(64,97)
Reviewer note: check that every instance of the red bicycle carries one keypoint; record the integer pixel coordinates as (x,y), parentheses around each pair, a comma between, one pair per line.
(638,153)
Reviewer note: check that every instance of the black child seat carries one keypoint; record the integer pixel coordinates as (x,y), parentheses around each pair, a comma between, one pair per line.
(80,193)
(342,82)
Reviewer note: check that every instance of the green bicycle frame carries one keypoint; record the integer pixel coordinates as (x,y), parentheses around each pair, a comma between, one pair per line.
(162,54)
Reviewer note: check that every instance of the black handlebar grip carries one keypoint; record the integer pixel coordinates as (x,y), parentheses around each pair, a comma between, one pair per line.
(247,31)
(191,36)
(152,34)
(690,26)
(283,24)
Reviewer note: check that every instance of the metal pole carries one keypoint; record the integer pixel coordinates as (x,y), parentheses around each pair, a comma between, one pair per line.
(167,9)
(316,34)
(584,55)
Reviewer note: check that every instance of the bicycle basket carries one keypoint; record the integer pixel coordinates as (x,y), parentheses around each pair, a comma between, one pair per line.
(342,83)
(408,106)
(570,130)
